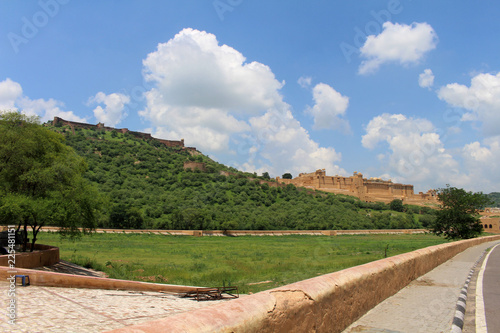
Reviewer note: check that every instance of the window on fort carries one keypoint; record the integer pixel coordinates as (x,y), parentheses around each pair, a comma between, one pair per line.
(490,226)
(485,226)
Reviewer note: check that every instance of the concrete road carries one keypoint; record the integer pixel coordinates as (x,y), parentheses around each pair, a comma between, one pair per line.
(428,304)
(488,294)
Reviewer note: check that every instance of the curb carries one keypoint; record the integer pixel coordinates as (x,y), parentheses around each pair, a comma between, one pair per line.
(458,320)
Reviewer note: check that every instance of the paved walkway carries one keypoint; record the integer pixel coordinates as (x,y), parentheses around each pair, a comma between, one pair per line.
(427,304)
(51,309)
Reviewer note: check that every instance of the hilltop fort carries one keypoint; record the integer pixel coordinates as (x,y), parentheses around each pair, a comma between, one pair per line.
(371,190)
(145,136)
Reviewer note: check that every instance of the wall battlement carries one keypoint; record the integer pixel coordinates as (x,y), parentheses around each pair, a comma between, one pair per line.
(371,190)
(144,136)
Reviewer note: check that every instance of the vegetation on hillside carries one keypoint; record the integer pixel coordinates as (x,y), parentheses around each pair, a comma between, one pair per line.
(495,199)
(146,186)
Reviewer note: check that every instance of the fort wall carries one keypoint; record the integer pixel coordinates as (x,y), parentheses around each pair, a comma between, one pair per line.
(371,190)
(141,135)
(490,220)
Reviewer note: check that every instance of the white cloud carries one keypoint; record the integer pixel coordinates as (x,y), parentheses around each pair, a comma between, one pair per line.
(193,70)
(481,161)
(405,44)
(329,108)
(202,87)
(304,81)
(482,99)
(113,112)
(10,91)
(417,155)
(426,79)
(284,145)
(209,95)
(11,97)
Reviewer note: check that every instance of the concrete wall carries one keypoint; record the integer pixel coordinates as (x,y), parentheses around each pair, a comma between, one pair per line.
(328,303)
(44,255)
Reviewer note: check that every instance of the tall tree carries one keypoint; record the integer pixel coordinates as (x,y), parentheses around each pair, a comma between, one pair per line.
(41,180)
(459,213)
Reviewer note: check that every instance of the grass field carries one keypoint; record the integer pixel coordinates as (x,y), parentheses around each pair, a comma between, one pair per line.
(251,263)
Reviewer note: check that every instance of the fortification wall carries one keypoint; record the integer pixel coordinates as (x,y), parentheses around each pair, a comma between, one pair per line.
(145,136)
(328,303)
(365,189)
(491,224)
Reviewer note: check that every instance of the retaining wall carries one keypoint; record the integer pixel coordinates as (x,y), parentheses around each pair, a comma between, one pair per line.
(44,255)
(328,303)
(52,279)
(253,232)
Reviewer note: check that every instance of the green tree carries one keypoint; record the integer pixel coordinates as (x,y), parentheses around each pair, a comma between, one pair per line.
(397,205)
(458,216)
(41,180)
(287,176)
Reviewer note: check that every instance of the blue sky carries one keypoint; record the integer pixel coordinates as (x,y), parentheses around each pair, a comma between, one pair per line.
(402,90)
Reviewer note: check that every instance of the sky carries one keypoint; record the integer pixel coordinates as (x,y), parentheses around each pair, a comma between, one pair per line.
(395,89)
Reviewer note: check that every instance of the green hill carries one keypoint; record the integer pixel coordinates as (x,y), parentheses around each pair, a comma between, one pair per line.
(495,197)
(145,185)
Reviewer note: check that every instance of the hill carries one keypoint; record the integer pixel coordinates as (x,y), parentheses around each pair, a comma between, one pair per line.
(495,197)
(145,184)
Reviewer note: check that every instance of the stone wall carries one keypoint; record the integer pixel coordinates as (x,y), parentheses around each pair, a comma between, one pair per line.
(52,279)
(44,255)
(195,166)
(490,220)
(372,190)
(328,303)
(145,136)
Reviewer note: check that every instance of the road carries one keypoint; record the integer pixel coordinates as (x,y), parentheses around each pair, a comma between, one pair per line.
(488,294)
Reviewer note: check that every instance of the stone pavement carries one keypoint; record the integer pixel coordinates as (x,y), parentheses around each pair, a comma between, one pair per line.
(427,304)
(51,309)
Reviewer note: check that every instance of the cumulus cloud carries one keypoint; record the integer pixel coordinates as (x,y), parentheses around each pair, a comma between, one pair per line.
(283,144)
(481,99)
(416,153)
(481,161)
(114,107)
(193,70)
(401,43)
(10,91)
(212,97)
(426,79)
(329,108)
(12,97)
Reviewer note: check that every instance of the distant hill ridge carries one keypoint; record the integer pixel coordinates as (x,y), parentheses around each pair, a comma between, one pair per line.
(146,136)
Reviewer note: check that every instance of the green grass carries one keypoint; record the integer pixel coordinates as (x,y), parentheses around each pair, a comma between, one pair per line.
(240,261)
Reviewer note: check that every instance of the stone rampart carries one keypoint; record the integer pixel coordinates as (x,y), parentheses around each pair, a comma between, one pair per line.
(144,136)
(371,190)
(44,255)
(328,303)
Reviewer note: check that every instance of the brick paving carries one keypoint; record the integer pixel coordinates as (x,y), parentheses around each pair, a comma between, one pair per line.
(51,309)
